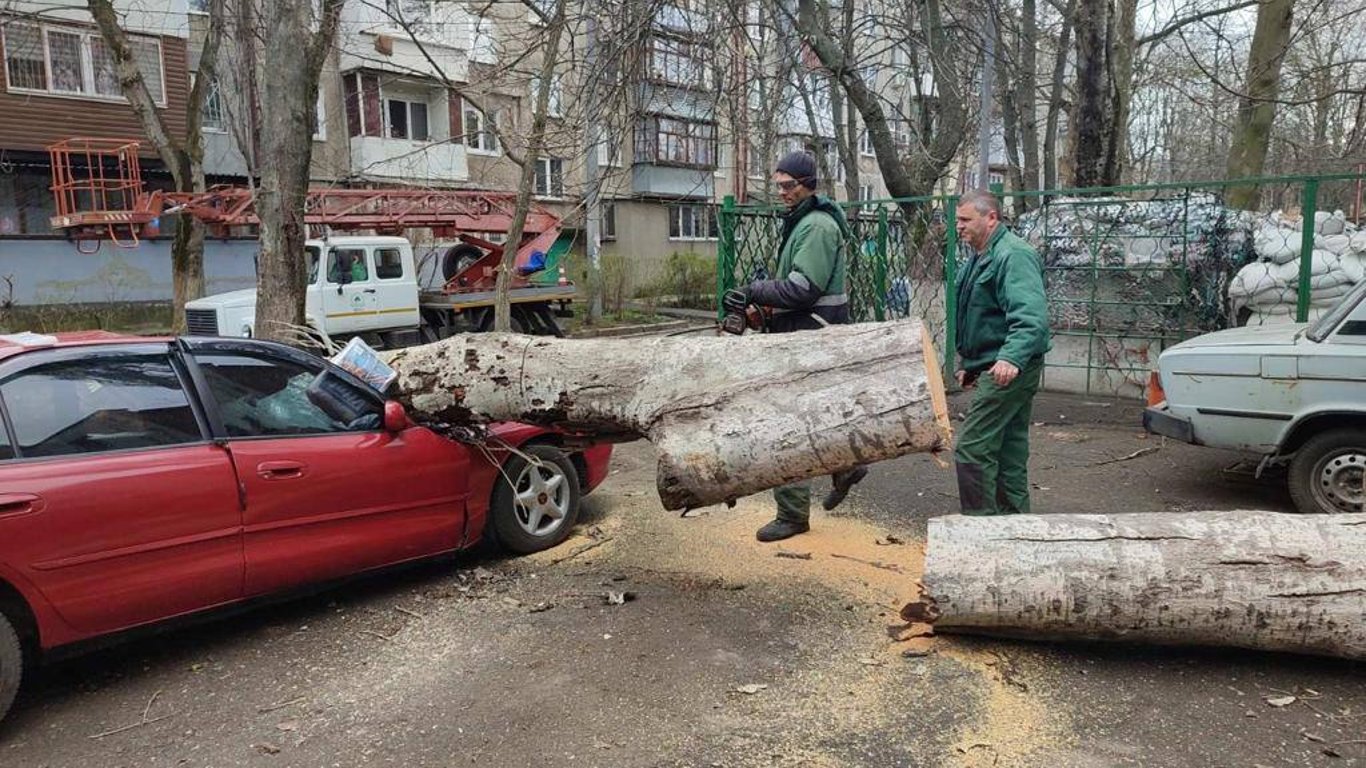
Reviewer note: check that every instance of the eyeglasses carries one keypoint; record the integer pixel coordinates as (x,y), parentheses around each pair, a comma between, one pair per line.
(787,186)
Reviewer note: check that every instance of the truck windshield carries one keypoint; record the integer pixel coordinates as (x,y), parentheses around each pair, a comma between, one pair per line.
(314,256)
(1334,317)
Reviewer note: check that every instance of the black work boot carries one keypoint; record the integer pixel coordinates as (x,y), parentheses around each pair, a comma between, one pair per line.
(842,482)
(778,530)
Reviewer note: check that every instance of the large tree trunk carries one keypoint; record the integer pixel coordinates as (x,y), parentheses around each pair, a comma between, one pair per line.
(1055,101)
(1257,109)
(1258,580)
(1090,123)
(728,415)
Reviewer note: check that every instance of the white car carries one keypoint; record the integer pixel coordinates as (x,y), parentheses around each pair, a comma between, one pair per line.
(1293,393)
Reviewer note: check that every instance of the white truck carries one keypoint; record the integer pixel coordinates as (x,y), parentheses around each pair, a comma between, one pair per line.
(371,286)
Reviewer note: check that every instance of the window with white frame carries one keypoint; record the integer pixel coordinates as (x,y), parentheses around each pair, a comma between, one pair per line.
(677,62)
(755,160)
(865,143)
(609,150)
(406,119)
(675,141)
(865,191)
(555,105)
(550,177)
(479,135)
(76,62)
(692,222)
(212,117)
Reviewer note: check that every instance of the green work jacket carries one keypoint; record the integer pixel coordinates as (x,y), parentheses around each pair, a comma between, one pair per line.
(1002,314)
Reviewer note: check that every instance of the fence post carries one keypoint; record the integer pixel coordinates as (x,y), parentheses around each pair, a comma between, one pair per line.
(1308,208)
(880,267)
(725,253)
(950,286)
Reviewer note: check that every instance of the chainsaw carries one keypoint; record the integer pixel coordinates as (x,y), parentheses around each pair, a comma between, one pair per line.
(740,314)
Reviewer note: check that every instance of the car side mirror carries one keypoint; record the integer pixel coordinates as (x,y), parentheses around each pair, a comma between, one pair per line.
(395,417)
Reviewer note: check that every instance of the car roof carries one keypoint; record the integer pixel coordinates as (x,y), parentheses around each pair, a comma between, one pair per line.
(360,240)
(16,343)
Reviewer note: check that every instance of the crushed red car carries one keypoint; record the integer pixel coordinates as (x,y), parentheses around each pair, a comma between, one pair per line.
(145,479)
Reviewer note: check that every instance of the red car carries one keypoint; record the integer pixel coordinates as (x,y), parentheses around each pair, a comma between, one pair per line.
(145,479)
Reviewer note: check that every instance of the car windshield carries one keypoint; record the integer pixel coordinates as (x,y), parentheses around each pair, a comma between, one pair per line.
(1334,317)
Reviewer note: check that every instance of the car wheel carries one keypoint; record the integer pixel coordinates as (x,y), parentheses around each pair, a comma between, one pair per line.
(11,664)
(535,503)
(1327,472)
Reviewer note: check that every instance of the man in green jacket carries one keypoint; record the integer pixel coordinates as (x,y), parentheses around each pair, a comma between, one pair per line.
(807,293)
(1002,338)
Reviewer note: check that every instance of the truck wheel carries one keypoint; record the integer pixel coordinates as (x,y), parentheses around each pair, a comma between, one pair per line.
(1327,472)
(534,507)
(11,663)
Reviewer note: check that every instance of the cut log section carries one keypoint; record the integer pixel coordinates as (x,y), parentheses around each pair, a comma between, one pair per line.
(1259,580)
(728,415)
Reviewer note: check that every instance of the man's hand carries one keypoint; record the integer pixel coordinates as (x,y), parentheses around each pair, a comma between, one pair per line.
(962,377)
(735,300)
(1004,372)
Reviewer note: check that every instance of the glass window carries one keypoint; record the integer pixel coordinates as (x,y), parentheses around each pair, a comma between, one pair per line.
(68,71)
(550,177)
(478,134)
(609,221)
(349,260)
(100,404)
(258,397)
(24,56)
(692,222)
(388,263)
(212,117)
(6,447)
(407,120)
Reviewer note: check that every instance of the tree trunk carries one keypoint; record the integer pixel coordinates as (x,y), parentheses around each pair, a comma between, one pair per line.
(728,415)
(1089,124)
(1257,108)
(293,54)
(502,305)
(1121,91)
(1055,101)
(1027,99)
(1260,580)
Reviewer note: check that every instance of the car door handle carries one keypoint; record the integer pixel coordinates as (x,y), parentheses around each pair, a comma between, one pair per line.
(280,470)
(12,504)
(368,290)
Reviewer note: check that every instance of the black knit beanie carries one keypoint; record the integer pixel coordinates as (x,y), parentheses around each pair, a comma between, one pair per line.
(800,166)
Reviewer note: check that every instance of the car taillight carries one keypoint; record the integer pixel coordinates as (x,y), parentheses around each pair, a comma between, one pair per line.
(1156,396)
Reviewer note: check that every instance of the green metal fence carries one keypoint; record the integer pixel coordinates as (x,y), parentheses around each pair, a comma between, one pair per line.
(1128,270)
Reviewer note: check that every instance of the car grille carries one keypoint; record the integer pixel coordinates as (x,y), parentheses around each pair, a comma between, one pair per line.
(202,322)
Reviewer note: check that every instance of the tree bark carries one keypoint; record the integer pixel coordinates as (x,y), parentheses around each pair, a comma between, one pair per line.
(1090,124)
(1259,580)
(293,55)
(1257,108)
(1027,99)
(1121,91)
(728,415)
(1055,101)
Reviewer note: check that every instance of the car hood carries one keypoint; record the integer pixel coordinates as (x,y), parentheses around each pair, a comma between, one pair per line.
(1261,336)
(230,300)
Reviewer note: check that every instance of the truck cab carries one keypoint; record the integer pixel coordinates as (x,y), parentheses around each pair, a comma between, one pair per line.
(356,285)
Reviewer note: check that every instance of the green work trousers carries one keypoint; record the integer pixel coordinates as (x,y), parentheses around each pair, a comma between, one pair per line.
(794,501)
(992,455)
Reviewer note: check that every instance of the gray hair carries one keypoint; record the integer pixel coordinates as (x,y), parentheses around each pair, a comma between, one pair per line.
(983,201)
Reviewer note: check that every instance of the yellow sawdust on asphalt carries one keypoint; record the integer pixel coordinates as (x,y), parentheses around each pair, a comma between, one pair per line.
(845,555)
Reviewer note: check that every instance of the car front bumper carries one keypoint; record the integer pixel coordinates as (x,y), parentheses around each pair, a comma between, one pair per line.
(1160,421)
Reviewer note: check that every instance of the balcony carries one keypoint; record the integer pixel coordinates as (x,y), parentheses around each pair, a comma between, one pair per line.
(668,181)
(378,158)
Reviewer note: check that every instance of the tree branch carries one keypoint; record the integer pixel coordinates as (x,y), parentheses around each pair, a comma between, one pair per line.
(1178,24)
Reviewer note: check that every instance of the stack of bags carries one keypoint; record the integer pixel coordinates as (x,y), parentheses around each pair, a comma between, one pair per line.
(1267,289)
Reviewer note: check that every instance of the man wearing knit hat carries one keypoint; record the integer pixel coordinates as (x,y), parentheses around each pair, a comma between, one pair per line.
(807,294)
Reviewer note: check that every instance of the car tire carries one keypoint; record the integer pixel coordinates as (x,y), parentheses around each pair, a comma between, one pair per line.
(1327,472)
(535,503)
(11,663)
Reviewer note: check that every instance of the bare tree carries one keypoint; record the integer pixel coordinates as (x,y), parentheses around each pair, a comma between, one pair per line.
(183,156)
(1252,134)
(295,44)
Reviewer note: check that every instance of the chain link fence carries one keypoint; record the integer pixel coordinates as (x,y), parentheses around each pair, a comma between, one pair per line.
(1128,271)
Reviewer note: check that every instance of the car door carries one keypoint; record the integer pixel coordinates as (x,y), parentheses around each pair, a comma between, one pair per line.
(114,503)
(323,498)
(396,288)
(349,296)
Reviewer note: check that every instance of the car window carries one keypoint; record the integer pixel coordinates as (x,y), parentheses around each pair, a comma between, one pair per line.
(312,251)
(259,397)
(351,260)
(388,263)
(99,404)
(6,447)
